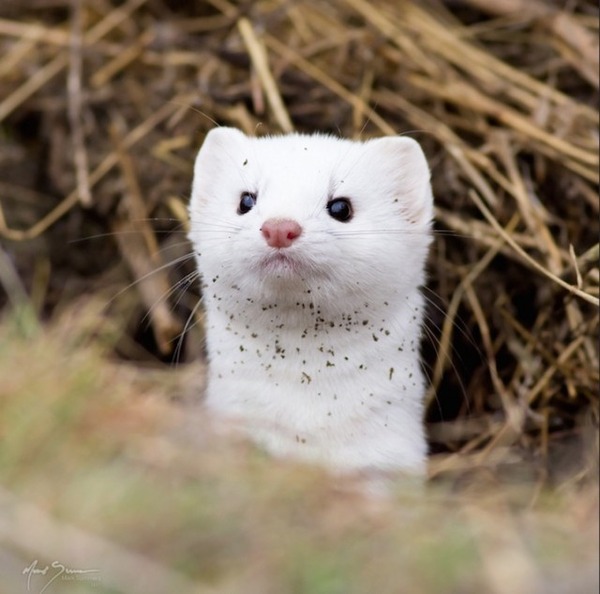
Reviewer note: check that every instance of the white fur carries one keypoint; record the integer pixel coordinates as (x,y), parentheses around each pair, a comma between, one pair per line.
(318,360)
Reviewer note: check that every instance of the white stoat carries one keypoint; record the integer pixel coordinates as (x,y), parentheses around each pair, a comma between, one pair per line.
(312,252)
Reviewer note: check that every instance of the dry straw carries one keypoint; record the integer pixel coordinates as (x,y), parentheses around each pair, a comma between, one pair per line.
(103,107)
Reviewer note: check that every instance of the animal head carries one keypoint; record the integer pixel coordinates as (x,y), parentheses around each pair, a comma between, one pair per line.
(281,214)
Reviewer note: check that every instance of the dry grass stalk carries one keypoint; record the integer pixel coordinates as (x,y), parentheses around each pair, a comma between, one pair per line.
(505,109)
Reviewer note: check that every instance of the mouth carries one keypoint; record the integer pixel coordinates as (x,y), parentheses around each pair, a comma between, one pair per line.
(279,264)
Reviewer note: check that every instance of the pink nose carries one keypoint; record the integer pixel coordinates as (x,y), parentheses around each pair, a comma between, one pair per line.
(280,233)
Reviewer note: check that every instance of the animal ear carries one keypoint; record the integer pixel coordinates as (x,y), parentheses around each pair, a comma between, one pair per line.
(400,164)
(222,138)
(218,156)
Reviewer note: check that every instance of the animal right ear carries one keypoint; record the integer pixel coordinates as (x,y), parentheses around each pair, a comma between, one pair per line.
(220,152)
(222,138)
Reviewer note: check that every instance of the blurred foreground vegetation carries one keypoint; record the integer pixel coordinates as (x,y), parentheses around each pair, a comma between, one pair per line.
(106,462)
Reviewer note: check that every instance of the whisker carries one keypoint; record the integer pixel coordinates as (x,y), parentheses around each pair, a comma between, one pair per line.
(184,283)
(440,310)
(181,284)
(121,233)
(371,232)
(197,111)
(217,230)
(175,262)
(402,232)
(186,328)
(450,359)
(216,224)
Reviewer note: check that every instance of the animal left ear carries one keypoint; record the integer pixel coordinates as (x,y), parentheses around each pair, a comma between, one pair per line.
(400,164)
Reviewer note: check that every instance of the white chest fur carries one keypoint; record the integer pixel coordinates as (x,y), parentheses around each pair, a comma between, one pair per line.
(313,321)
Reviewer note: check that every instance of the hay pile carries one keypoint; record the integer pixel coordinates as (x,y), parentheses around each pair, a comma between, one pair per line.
(104,104)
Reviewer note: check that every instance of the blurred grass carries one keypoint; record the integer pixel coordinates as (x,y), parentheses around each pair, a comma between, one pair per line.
(105,461)
(90,444)
(103,106)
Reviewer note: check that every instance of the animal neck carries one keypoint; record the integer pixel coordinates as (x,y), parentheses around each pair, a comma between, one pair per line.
(327,321)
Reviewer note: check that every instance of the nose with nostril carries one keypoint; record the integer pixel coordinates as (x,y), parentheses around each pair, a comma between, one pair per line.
(280,233)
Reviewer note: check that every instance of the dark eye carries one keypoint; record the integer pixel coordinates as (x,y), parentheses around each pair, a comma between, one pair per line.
(340,209)
(247,201)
